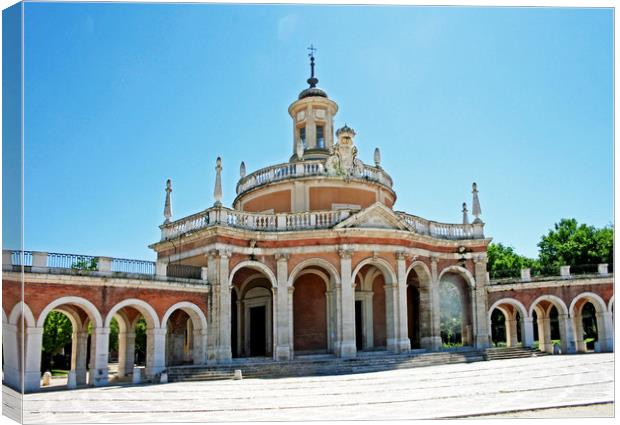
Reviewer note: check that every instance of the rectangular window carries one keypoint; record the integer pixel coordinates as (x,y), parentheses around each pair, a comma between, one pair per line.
(320,139)
(302,136)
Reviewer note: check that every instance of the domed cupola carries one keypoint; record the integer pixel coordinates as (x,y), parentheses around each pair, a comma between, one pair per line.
(313,115)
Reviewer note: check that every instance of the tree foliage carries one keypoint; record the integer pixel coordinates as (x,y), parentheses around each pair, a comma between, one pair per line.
(571,243)
(57,331)
(504,257)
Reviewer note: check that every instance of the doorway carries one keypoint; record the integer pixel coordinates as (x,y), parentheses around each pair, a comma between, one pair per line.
(258,336)
(359,334)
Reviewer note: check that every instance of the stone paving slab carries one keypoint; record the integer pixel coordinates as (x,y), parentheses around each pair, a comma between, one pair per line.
(419,393)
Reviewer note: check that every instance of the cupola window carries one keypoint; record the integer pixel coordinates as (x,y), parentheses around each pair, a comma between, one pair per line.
(302,136)
(320,139)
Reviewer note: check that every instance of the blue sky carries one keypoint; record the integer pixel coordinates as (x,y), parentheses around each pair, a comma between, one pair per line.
(120,97)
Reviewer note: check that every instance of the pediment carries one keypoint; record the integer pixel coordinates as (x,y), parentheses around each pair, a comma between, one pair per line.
(376,216)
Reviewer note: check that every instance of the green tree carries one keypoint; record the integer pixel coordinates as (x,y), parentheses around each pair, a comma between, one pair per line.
(503,261)
(571,243)
(57,331)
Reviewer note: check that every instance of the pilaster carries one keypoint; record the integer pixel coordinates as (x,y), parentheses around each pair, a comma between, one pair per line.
(481,331)
(347,306)
(282,342)
(403,344)
(32,364)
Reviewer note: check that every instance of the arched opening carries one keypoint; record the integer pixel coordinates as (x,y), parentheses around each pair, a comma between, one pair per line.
(68,347)
(251,317)
(186,334)
(455,310)
(551,325)
(370,309)
(498,328)
(507,324)
(419,320)
(590,314)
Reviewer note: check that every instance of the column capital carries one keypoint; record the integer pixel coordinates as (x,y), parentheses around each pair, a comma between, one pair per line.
(282,256)
(434,258)
(400,255)
(345,253)
(212,254)
(290,289)
(480,258)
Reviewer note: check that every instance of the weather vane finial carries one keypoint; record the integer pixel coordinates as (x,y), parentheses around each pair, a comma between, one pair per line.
(312,80)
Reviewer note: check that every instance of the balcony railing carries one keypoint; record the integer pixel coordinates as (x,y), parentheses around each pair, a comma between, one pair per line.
(279,172)
(508,276)
(438,230)
(310,220)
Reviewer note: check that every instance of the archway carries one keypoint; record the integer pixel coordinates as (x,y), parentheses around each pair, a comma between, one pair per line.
(593,329)
(186,334)
(82,319)
(18,327)
(419,320)
(137,323)
(550,318)
(252,311)
(455,308)
(508,326)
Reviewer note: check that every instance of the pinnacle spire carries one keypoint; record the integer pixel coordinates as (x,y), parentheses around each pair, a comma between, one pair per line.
(312,80)
(217,192)
(465,216)
(167,206)
(475,209)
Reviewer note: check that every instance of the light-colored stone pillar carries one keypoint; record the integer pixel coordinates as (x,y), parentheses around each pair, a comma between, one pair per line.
(526,275)
(161,268)
(603,269)
(580,345)
(156,351)
(104,264)
(6,257)
(291,334)
(99,374)
(79,349)
(10,347)
(391,316)
(126,352)
(223,352)
(566,333)
(199,349)
(347,305)
(511,333)
(433,341)
(39,262)
(528,331)
(283,344)
(481,333)
(32,363)
(565,272)
(605,331)
(404,344)
(213,305)
(545,339)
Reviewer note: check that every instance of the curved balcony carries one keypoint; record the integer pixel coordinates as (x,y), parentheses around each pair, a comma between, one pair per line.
(288,170)
(309,220)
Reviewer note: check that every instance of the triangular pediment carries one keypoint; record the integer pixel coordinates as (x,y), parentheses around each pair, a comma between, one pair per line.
(376,216)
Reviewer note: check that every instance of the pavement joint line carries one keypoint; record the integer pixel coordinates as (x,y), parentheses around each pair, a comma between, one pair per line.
(500,412)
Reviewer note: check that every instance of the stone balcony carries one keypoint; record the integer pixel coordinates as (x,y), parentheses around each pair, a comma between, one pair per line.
(309,220)
(301,169)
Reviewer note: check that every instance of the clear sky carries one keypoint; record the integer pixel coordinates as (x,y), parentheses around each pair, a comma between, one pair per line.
(120,97)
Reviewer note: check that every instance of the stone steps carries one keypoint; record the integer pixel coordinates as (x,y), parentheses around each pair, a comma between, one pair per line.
(512,353)
(323,365)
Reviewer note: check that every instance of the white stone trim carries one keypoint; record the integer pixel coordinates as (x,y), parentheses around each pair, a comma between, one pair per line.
(463,272)
(596,300)
(611,304)
(147,311)
(513,302)
(320,262)
(556,301)
(19,309)
(548,284)
(383,265)
(255,265)
(89,308)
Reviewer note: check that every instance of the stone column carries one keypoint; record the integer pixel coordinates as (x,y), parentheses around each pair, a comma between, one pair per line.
(200,345)
(580,345)
(347,306)
(155,351)
(32,360)
(79,347)
(391,319)
(213,305)
(433,341)
(291,335)
(283,344)
(481,332)
(223,352)
(527,331)
(545,338)
(126,353)
(10,347)
(566,333)
(99,372)
(511,333)
(605,331)
(404,344)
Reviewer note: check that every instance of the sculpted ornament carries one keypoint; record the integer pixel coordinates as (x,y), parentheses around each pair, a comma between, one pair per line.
(343,160)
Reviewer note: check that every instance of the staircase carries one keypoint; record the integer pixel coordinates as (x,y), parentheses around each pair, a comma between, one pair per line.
(512,353)
(320,365)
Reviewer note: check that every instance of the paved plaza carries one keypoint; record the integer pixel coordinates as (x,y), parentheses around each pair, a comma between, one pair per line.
(456,390)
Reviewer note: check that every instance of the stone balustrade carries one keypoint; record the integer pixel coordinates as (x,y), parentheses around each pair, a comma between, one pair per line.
(443,230)
(309,220)
(562,272)
(284,171)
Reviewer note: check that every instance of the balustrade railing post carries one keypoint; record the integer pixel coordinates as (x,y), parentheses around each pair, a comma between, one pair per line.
(603,270)
(104,264)
(161,268)
(6,257)
(39,261)
(526,275)
(565,272)
(478,230)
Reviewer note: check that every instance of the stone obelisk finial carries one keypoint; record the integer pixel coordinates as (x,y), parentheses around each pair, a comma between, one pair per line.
(377,158)
(476,211)
(242,169)
(217,192)
(465,216)
(167,205)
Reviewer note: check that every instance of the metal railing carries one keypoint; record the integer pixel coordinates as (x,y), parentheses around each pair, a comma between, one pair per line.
(71,261)
(549,272)
(183,271)
(284,171)
(124,265)
(18,260)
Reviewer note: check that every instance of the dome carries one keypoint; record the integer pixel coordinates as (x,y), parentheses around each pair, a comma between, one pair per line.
(312,92)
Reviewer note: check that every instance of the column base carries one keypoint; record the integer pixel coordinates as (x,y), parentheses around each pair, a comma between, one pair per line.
(223,355)
(98,377)
(482,341)
(32,381)
(80,376)
(392,345)
(432,343)
(348,349)
(404,345)
(283,353)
